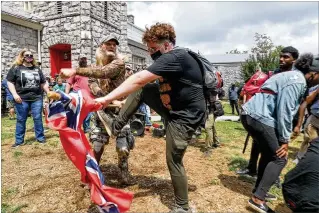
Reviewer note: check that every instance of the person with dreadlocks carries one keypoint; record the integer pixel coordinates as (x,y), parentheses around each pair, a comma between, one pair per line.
(311,129)
(107,75)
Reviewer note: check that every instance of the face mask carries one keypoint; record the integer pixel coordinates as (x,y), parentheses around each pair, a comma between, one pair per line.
(156,55)
(28,59)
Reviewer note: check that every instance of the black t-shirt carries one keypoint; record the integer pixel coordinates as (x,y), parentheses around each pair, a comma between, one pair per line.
(185,103)
(27,81)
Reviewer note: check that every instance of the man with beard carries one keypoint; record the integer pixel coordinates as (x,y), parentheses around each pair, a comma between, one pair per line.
(271,125)
(174,98)
(288,56)
(107,75)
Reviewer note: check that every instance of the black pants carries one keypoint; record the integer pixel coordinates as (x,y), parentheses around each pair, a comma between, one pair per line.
(270,166)
(254,154)
(234,104)
(177,137)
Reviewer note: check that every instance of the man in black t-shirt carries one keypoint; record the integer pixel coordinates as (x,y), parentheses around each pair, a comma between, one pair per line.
(182,106)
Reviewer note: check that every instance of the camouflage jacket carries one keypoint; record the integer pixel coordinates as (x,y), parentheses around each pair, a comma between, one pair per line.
(104,79)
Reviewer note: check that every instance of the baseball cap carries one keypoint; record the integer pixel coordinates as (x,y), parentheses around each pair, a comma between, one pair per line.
(314,67)
(108,38)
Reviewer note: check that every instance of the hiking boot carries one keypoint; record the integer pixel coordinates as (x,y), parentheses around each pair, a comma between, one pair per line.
(107,121)
(270,197)
(178,209)
(123,165)
(262,208)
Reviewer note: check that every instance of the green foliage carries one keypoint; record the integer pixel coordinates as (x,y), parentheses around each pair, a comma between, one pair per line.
(6,208)
(264,53)
(17,154)
(237,163)
(236,51)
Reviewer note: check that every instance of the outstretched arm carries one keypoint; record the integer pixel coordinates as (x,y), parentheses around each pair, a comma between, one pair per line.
(131,84)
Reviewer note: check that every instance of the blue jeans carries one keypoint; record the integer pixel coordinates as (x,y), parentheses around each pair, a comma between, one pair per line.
(22,111)
(144,111)
(86,122)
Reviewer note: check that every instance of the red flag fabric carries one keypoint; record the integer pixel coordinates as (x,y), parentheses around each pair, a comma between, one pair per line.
(66,116)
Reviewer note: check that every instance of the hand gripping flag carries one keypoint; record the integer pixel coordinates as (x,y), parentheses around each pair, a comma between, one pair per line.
(66,115)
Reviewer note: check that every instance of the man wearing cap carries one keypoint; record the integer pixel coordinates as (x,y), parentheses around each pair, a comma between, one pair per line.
(105,76)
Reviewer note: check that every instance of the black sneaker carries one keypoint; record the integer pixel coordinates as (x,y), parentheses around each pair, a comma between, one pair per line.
(15,145)
(262,208)
(270,197)
(246,172)
(42,141)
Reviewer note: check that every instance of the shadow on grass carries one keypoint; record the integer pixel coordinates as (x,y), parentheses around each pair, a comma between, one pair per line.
(237,163)
(149,185)
(240,184)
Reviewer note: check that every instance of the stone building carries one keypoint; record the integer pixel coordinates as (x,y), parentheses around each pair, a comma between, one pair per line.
(58,32)
(230,67)
(140,55)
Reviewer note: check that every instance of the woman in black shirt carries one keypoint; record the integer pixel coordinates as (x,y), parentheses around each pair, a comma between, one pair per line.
(26,83)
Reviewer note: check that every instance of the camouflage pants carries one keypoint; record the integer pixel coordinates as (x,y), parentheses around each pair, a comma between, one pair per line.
(124,143)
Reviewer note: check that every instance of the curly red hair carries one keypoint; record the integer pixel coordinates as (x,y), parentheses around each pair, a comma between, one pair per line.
(160,32)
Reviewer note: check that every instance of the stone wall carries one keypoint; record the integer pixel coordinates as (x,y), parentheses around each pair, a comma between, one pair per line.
(81,24)
(14,38)
(231,74)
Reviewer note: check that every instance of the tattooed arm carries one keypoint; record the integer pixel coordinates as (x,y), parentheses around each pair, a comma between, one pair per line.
(111,70)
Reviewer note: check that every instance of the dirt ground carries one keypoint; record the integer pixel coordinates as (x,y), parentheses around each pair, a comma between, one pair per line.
(40,177)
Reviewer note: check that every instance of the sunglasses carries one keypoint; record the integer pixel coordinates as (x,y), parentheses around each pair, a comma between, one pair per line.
(28,55)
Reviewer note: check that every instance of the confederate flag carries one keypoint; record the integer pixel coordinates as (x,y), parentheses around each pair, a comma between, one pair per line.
(66,115)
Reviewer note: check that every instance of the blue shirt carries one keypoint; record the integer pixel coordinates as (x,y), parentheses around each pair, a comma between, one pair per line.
(277,110)
(4,84)
(233,93)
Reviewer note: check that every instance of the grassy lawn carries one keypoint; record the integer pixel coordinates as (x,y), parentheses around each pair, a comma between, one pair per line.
(225,161)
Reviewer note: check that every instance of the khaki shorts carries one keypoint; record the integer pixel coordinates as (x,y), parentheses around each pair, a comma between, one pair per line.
(10,104)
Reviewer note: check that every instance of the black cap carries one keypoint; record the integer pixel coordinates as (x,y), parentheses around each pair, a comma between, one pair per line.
(314,67)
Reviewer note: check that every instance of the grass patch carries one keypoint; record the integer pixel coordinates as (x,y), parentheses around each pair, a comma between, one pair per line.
(17,154)
(237,162)
(10,192)
(6,208)
(215,181)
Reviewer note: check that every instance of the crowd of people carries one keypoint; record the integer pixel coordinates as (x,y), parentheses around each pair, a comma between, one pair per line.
(174,87)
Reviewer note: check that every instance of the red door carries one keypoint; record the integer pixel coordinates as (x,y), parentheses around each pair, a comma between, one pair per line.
(60,57)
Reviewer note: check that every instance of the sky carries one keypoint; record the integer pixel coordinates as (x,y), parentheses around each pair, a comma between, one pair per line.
(218,27)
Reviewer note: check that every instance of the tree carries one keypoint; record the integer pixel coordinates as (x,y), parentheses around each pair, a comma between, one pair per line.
(236,51)
(265,53)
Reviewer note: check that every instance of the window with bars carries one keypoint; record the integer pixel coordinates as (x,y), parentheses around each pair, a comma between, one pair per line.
(138,62)
(105,10)
(59,6)
(27,6)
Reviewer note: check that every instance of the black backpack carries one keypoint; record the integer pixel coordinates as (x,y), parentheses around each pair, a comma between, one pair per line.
(218,108)
(210,82)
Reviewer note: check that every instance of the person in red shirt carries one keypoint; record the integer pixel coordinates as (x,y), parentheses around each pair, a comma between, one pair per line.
(76,83)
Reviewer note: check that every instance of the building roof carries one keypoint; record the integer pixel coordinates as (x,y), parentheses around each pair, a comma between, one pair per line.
(227,58)
(16,10)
